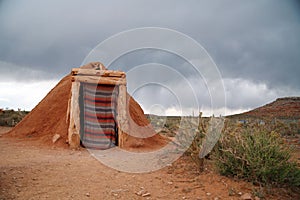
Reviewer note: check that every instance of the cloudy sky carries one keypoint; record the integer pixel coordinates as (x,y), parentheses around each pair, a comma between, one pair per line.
(255,45)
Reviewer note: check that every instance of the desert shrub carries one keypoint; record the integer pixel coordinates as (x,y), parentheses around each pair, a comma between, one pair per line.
(293,128)
(198,137)
(284,128)
(259,156)
(11,117)
(190,139)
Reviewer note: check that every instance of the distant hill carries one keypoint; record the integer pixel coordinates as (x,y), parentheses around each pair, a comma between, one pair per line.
(287,107)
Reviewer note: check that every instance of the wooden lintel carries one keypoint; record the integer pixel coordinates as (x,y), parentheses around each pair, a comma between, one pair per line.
(93,72)
(100,80)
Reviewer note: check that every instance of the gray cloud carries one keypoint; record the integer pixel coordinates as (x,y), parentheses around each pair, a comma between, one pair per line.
(252,42)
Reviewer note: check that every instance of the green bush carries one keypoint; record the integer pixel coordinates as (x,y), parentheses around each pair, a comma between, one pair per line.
(260,157)
(11,117)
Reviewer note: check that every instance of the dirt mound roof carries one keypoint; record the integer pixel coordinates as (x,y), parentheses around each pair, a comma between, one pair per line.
(49,117)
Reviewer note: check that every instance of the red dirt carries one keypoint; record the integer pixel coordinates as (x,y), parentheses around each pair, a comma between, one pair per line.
(141,135)
(33,172)
(49,117)
(288,107)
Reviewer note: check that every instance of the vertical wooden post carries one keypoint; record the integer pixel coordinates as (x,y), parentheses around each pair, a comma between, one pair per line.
(122,115)
(74,127)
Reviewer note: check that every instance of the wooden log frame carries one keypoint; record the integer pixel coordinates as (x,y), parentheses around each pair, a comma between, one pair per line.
(74,126)
(122,117)
(104,77)
(93,72)
(100,80)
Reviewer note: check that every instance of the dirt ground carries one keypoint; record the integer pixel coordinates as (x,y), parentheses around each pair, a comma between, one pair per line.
(31,171)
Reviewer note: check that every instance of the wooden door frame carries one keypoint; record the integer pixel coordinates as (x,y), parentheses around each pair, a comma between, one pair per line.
(103,77)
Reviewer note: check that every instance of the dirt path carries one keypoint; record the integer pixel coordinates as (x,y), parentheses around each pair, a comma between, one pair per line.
(29,171)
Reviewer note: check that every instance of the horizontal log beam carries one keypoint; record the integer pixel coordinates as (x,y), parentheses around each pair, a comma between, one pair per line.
(93,72)
(100,80)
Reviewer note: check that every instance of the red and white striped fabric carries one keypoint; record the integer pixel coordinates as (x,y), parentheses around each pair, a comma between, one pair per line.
(99,116)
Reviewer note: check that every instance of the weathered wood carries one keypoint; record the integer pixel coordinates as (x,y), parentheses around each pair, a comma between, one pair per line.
(100,80)
(95,78)
(93,72)
(122,117)
(74,126)
(68,110)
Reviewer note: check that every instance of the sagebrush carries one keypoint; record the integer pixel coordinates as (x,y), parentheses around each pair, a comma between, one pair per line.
(257,156)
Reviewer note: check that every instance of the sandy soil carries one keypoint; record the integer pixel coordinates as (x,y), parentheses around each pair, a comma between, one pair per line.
(31,171)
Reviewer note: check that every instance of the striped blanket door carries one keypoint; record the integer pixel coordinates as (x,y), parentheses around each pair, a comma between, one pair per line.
(100,126)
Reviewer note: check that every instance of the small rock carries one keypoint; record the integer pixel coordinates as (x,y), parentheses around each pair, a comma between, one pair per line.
(170,182)
(240,193)
(55,137)
(231,192)
(208,193)
(87,194)
(186,190)
(140,193)
(246,196)
(143,193)
(117,191)
(147,194)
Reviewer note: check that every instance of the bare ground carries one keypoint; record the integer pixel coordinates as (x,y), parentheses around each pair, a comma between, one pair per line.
(31,171)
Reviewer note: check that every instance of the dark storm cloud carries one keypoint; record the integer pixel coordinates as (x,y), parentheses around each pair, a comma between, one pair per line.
(252,42)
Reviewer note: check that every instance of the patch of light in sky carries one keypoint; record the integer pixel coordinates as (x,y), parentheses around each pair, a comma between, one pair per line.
(25,96)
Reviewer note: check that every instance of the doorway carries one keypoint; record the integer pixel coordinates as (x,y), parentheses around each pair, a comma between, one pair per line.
(98,114)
